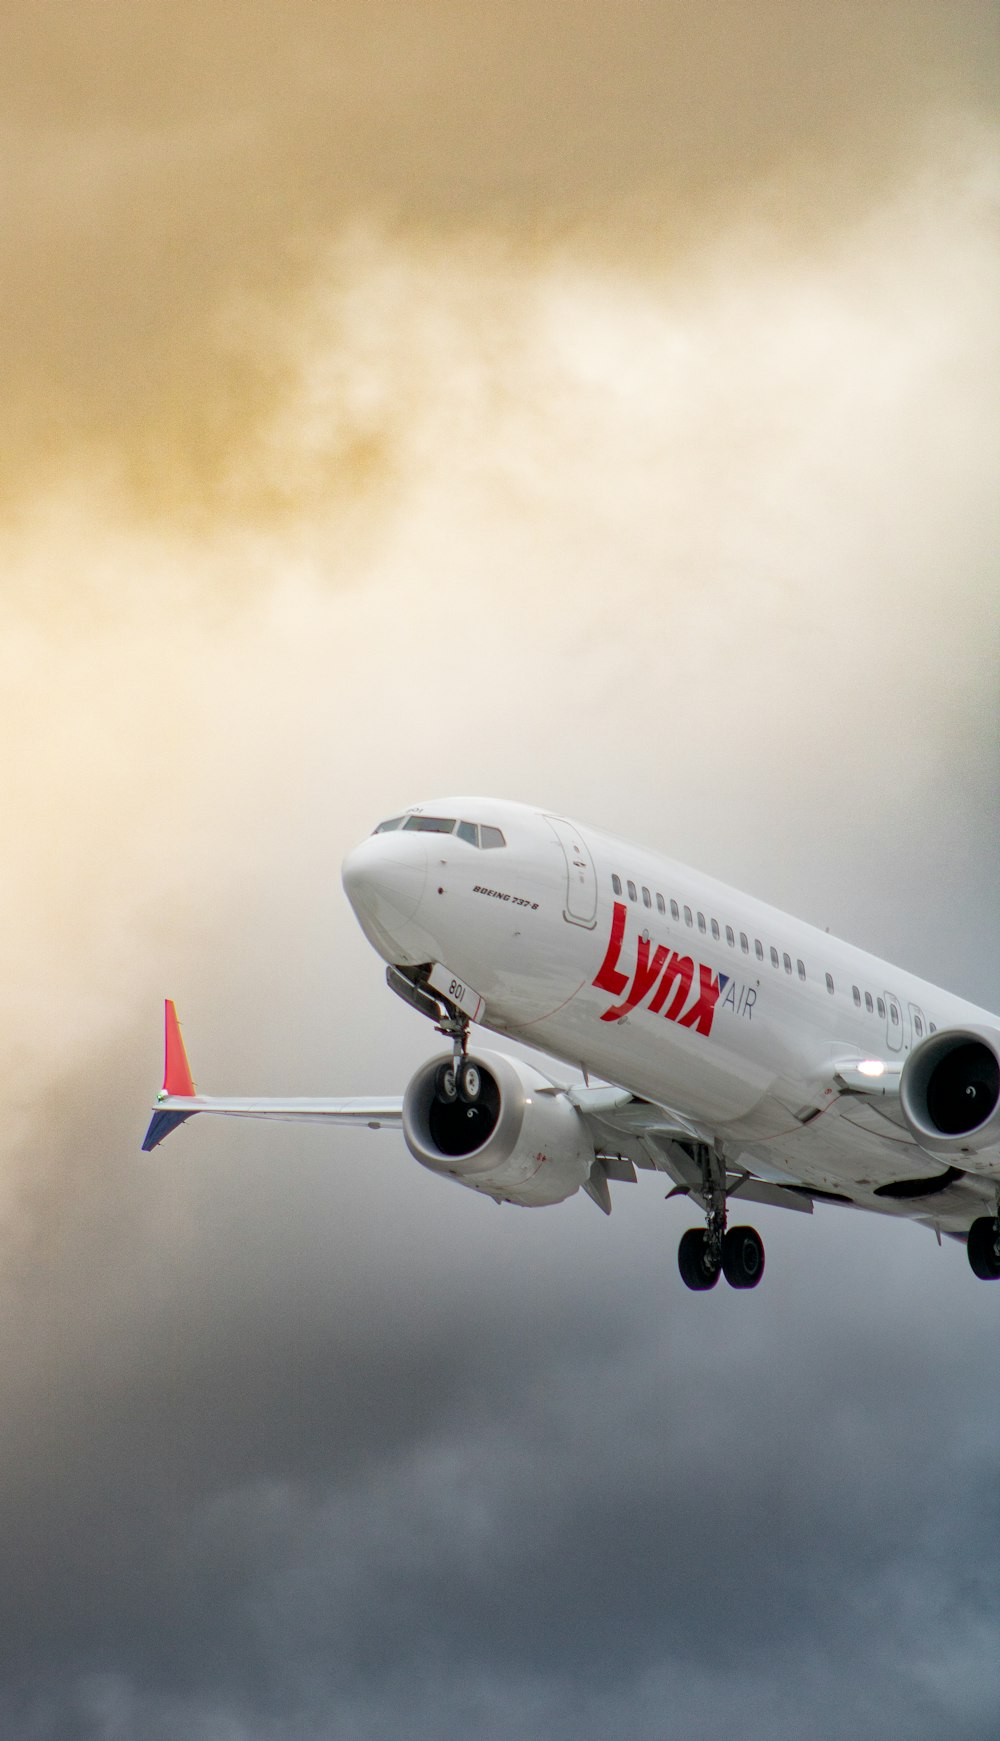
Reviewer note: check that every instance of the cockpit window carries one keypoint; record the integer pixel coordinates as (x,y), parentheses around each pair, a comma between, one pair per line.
(474,833)
(430,824)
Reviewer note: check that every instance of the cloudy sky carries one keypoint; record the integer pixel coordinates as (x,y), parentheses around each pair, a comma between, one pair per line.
(593,405)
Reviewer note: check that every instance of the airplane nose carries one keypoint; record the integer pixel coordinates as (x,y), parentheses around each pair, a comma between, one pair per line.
(384,880)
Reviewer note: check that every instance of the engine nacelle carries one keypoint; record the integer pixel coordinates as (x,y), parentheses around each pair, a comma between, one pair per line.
(949,1091)
(520,1143)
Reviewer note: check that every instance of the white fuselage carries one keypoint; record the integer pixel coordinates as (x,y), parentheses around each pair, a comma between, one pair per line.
(665,981)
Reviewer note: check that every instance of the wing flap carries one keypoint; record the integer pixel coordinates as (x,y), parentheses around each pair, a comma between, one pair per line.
(775,1196)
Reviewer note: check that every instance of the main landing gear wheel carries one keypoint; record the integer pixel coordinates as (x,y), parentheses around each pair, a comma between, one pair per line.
(694,1260)
(742,1257)
(983,1248)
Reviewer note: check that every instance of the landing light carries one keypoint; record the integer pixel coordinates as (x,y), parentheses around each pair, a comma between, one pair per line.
(871,1067)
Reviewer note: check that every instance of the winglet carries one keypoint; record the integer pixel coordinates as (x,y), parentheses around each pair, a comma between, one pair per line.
(177,1081)
(176,1069)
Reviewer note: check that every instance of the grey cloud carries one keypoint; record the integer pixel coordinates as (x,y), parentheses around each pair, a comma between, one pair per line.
(420,1462)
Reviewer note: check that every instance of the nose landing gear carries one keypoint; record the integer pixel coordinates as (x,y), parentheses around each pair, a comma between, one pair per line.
(460,1079)
(470,1082)
(446,1085)
(736,1252)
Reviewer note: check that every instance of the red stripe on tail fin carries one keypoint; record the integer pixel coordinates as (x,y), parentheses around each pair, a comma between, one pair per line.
(176,1070)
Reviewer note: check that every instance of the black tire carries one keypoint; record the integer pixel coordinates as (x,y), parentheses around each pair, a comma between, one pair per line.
(983,1248)
(470,1082)
(445,1085)
(742,1257)
(693,1261)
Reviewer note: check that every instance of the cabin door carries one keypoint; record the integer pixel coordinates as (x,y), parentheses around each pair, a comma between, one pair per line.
(581,878)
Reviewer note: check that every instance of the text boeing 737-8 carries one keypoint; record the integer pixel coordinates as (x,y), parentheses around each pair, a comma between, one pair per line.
(748,1056)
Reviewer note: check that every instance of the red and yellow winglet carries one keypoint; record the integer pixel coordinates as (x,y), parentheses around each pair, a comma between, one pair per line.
(176,1069)
(177,1081)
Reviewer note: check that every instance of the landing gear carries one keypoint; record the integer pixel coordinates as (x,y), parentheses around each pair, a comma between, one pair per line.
(445,1084)
(983,1247)
(458,1078)
(742,1257)
(738,1254)
(694,1261)
(470,1082)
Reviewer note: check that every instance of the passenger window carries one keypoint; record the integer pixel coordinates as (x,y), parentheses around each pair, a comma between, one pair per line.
(802,968)
(616,882)
(645,898)
(829,983)
(869,1006)
(933,1027)
(468,831)
(918,1023)
(715,928)
(490,836)
(675,911)
(881,1007)
(701,921)
(856,995)
(787,962)
(730,937)
(661,905)
(687,916)
(774,956)
(894,1015)
(744,944)
(631,892)
(758,948)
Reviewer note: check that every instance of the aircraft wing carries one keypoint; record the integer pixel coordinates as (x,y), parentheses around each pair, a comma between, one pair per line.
(621,1111)
(659,1138)
(178,1101)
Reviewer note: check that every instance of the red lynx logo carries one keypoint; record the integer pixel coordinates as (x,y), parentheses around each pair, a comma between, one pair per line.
(671,978)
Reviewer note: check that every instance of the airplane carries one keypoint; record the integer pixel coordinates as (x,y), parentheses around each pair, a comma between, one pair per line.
(746,1056)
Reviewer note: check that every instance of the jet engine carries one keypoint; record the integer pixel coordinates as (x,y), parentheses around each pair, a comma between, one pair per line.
(949,1091)
(520,1141)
